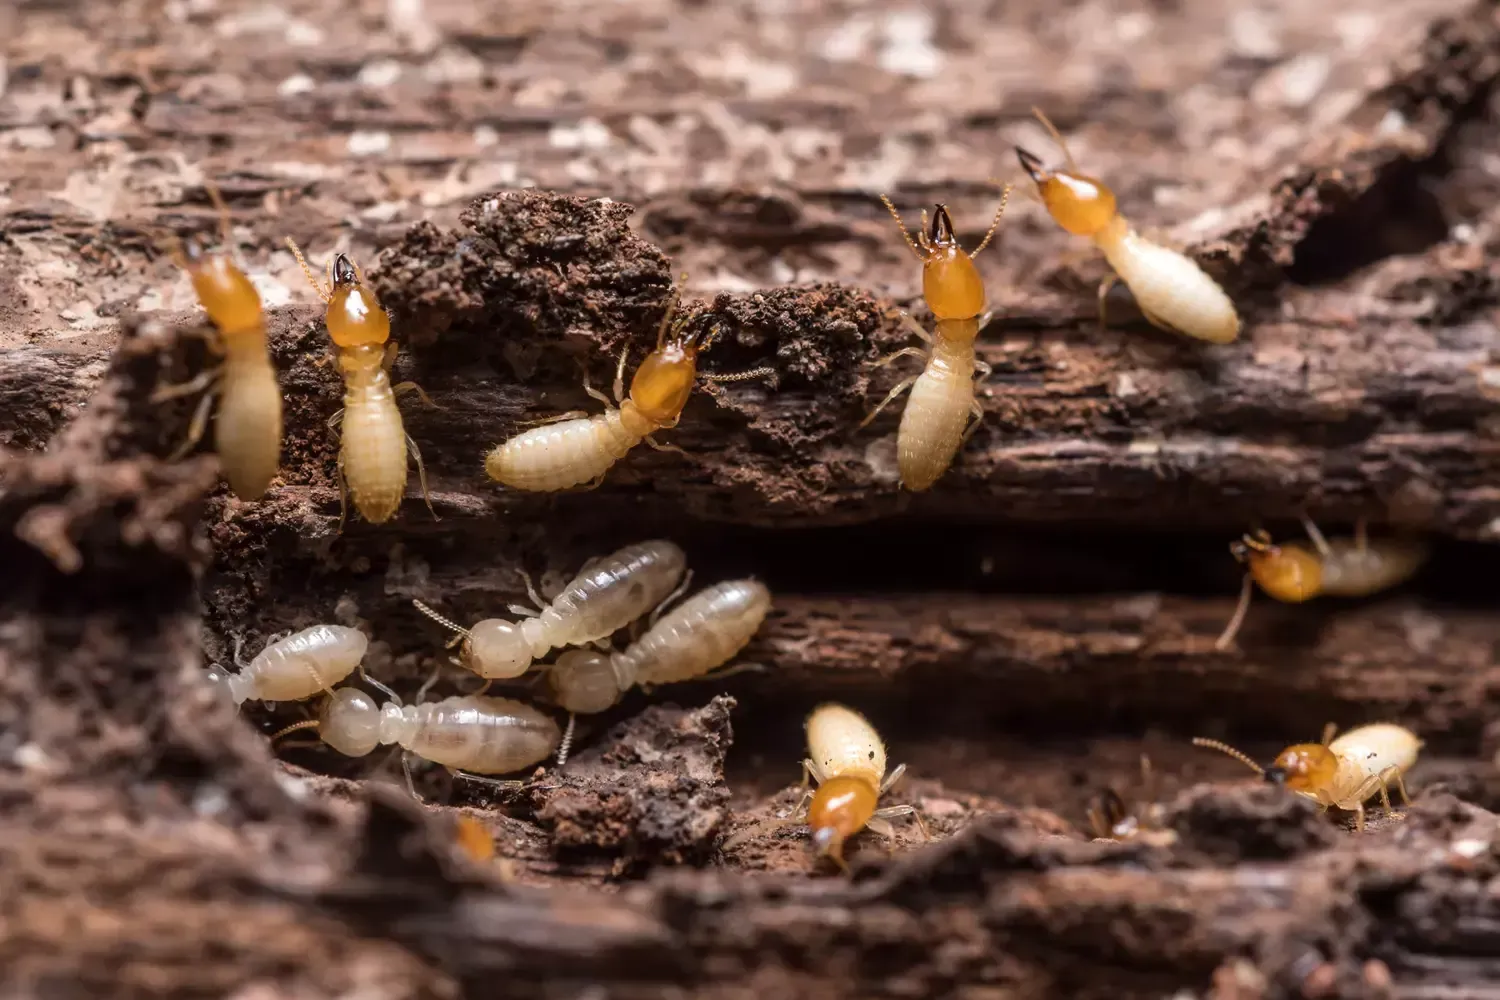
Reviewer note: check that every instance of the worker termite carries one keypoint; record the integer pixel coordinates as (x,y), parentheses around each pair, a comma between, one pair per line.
(1110,818)
(700,634)
(247,433)
(605,596)
(847,759)
(297,666)
(1338,567)
(936,422)
(472,736)
(575,448)
(1344,772)
(1173,292)
(372,455)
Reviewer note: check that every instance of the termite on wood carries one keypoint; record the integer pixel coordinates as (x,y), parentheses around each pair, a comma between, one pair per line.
(605,596)
(472,736)
(247,432)
(1337,567)
(847,759)
(372,454)
(700,634)
(296,666)
(936,421)
(1344,772)
(1173,292)
(1110,818)
(574,448)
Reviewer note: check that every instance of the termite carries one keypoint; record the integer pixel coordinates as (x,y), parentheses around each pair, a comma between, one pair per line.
(1110,818)
(605,596)
(574,448)
(847,759)
(1338,567)
(247,433)
(472,735)
(936,421)
(702,633)
(372,455)
(297,666)
(1344,772)
(1173,292)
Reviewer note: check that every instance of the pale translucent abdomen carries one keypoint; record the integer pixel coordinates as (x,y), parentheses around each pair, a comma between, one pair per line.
(561,455)
(1170,288)
(698,635)
(1348,572)
(612,592)
(932,425)
(373,454)
(842,742)
(480,734)
(301,664)
(247,430)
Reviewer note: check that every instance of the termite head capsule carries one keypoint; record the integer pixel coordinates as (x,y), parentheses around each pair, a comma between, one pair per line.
(228,296)
(1287,573)
(355,317)
(664,380)
(1081,204)
(950,281)
(840,808)
(1305,767)
(350,722)
(583,682)
(496,649)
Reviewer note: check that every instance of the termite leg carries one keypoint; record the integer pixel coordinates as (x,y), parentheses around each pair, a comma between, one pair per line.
(411,784)
(588,387)
(427,684)
(1104,289)
(1328,730)
(905,352)
(192,386)
(1401,787)
(388,356)
(196,427)
(416,453)
(977,411)
(239,642)
(410,386)
(982,370)
(892,778)
(661,446)
(890,812)
(912,326)
(890,397)
(493,782)
(531,592)
(882,826)
(1316,536)
(482,688)
(558,417)
(682,587)
(620,375)
(812,771)
(1361,536)
(343,496)
(1359,817)
(730,671)
(1226,638)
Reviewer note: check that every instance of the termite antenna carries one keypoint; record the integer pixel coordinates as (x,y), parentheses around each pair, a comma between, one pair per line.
(1057,137)
(1199,741)
(904,233)
(312,279)
(226,236)
(294,727)
(761,372)
(994,225)
(673,301)
(446,623)
(566,746)
(1226,638)
(393,696)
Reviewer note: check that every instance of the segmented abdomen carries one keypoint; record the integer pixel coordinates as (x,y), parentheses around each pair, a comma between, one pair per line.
(304,663)
(932,425)
(247,431)
(841,741)
(481,734)
(1171,288)
(698,635)
(612,592)
(561,455)
(373,455)
(1350,572)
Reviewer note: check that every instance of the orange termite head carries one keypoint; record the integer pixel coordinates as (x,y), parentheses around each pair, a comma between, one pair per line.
(950,281)
(355,318)
(1304,767)
(840,808)
(1081,204)
(1286,572)
(664,380)
(227,295)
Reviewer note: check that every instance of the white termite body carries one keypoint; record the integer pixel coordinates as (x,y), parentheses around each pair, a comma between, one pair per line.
(1370,758)
(940,406)
(372,455)
(1352,568)
(299,666)
(474,733)
(570,452)
(842,743)
(702,633)
(1172,291)
(606,595)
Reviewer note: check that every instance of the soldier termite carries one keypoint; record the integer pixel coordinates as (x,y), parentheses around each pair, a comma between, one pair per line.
(1173,292)
(297,666)
(605,596)
(472,736)
(1344,772)
(575,448)
(933,426)
(700,634)
(1110,818)
(847,759)
(1337,567)
(372,455)
(247,432)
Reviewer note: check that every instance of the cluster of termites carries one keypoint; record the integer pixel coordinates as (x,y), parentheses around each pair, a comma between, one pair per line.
(480,735)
